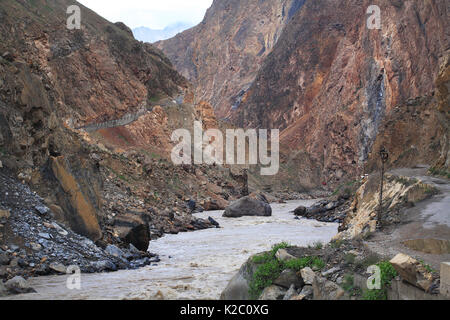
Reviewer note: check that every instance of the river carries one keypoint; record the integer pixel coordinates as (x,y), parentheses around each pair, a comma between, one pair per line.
(195,265)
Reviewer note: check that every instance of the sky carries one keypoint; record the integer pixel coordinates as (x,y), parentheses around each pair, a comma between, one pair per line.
(154,14)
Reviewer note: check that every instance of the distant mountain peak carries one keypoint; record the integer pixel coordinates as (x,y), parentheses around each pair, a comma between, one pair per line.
(146,34)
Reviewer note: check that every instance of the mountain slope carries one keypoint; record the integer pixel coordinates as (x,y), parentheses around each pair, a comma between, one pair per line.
(86,118)
(221,56)
(340,81)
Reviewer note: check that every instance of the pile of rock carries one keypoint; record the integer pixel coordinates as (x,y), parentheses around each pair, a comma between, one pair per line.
(325,210)
(34,244)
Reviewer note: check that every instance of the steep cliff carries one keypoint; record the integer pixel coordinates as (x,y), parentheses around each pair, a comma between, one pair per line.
(331,84)
(86,118)
(222,55)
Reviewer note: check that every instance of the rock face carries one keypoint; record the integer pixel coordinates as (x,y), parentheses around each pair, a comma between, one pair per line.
(221,56)
(398,192)
(248,206)
(86,118)
(336,89)
(342,80)
(133,229)
(412,271)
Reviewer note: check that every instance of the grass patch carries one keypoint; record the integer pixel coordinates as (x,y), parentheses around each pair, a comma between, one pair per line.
(270,268)
(349,286)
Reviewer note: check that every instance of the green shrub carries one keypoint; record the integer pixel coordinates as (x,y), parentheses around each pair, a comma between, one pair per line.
(388,273)
(270,268)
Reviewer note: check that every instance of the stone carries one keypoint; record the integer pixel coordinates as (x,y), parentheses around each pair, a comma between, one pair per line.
(58,267)
(42,210)
(18,285)
(273,292)
(114,251)
(8,56)
(45,235)
(4,259)
(1,165)
(290,293)
(330,272)
(248,206)
(4,214)
(288,278)
(412,271)
(134,229)
(307,291)
(308,275)
(445,279)
(300,211)
(283,255)
(214,222)
(327,290)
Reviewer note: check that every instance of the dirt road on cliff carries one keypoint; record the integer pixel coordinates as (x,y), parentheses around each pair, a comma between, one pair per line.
(425,229)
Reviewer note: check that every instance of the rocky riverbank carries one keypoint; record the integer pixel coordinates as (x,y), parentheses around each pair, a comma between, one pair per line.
(339,270)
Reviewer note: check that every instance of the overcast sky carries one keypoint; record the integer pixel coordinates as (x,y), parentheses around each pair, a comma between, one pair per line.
(155,14)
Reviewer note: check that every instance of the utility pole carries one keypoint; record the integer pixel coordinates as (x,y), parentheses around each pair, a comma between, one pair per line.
(384,155)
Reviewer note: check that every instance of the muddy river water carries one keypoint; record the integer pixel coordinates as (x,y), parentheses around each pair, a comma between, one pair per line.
(195,265)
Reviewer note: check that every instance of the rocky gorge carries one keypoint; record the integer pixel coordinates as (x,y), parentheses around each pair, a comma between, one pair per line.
(87,181)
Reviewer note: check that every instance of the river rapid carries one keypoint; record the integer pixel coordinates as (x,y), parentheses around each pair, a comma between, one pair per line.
(194,265)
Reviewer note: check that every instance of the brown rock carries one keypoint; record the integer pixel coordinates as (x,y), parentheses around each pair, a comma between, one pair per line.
(412,271)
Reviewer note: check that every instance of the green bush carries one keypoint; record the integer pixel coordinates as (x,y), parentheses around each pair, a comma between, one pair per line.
(270,268)
(387,274)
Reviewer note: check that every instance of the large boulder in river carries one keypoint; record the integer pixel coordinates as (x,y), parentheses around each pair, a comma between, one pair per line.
(249,206)
(133,229)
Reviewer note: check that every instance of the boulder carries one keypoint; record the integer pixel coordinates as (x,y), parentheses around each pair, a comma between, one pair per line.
(18,285)
(308,275)
(288,278)
(283,255)
(327,290)
(58,267)
(307,291)
(133,229)
(248,206)
(238,287)
(211,205)
(300,211)
(292,292)
(412,271)
(273,292)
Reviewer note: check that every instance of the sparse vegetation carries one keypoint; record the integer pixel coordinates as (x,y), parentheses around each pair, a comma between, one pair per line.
(270,268)
(387,274)
(439,172)
(427,266)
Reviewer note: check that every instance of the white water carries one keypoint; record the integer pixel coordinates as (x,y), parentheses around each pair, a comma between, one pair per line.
(201,263)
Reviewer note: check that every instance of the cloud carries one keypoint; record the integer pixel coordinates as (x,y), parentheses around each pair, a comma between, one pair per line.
(155,14)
